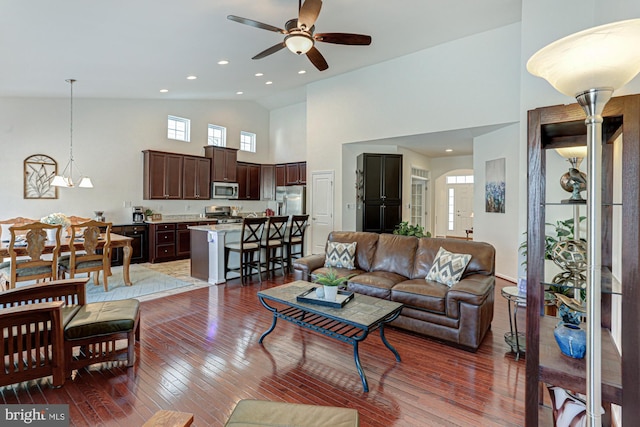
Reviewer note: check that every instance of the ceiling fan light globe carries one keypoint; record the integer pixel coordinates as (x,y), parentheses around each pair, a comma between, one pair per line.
(298,43)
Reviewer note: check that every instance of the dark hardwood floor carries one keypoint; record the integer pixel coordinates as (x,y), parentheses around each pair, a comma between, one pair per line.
(199,353)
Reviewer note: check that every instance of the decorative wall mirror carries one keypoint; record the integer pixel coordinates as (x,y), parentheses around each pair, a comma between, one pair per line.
(39,170)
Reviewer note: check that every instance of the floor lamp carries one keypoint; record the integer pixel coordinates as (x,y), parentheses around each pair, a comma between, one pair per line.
(590,65)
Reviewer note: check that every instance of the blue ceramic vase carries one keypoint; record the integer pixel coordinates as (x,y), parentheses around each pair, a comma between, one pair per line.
(571,339)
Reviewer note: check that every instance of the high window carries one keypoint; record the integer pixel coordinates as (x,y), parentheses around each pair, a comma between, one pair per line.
(248,141)
(217,135)
(178,128)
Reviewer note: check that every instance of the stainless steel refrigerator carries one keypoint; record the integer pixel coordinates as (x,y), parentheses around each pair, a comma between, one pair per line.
(291,200)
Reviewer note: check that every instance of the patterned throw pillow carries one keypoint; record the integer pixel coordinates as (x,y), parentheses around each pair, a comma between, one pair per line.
(448,267)
(341,255)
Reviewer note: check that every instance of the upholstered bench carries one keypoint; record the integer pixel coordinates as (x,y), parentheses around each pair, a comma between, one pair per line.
(259,412)
(96,327)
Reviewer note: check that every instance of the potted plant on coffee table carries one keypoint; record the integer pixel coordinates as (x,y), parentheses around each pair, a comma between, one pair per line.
(330,282)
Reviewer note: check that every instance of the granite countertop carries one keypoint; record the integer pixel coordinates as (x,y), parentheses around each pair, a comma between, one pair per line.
(176,220)
(217,227)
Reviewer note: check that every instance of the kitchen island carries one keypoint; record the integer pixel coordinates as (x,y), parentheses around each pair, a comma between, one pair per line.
(207,250)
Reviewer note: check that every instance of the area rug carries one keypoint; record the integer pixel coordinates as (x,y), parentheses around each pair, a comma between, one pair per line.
(147,284)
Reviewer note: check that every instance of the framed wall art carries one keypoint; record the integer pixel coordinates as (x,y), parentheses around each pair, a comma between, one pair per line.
(494,188)
(39,171)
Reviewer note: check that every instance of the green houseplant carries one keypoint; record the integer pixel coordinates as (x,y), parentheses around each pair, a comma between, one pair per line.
(330,282)
(406,229)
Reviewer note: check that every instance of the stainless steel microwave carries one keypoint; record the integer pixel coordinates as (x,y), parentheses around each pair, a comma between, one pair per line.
(224,190)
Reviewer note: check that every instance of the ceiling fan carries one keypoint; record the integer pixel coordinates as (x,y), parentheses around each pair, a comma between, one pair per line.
(300,37)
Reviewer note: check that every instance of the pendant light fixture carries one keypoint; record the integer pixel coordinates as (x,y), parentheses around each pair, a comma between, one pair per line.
(66,179)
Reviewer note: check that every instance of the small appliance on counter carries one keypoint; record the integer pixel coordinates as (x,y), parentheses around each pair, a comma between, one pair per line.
(138,215)
(222,214)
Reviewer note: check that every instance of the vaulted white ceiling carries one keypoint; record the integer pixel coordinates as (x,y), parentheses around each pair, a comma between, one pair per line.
(134,48)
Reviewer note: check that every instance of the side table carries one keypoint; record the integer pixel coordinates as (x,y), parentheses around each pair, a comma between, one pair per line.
(515,299)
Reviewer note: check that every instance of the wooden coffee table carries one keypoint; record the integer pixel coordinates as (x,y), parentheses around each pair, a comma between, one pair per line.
(351,323)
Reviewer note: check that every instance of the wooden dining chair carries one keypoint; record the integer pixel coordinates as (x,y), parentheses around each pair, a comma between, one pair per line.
(91,253)
(295,243)
(27,247)
(273,244)
(5,236)
(247,248)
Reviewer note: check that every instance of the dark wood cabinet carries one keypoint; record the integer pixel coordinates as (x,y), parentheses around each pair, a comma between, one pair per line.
(291,174)
(196,178)
(183,239)
(562,126)
(281,172)
(268,182)
(162,242)
(248,175)
(380,206)
(139,244)
(162,175)
(223,163)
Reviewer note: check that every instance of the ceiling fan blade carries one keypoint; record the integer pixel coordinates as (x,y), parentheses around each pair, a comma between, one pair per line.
(317,59)
(256,24)
(343,38)
(309,13)
(272,49)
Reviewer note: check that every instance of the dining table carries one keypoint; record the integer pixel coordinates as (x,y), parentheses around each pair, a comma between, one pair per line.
(116,241)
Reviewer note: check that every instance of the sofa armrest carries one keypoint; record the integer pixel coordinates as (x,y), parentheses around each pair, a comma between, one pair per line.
(302,267)
(474,290)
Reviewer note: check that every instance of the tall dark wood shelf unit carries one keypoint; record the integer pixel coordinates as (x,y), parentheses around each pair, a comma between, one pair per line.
(380,208)
(561,126)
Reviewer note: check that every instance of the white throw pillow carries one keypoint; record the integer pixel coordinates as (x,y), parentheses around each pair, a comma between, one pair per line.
(448,267)
(341,255)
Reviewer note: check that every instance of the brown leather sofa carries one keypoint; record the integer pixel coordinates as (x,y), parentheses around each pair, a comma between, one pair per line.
(394,267)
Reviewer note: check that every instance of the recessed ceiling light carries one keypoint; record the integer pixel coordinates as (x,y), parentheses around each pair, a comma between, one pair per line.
(192,77)
(164,90)
(448,150)
(302,72)
(268,83)
(259,74)
(223,62)
(239,92)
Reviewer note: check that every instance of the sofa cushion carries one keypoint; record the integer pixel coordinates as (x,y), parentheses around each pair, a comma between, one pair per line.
(482,260)
(417,293)
(376,284)
(340,255)
(448,267)
(365,249)
(395,253)
(103,318)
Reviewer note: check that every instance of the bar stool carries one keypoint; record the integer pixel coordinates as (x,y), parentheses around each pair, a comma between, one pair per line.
(296,238)
(246,248)
(276,228)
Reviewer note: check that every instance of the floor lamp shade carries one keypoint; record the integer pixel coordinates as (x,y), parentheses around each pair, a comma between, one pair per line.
(607,56)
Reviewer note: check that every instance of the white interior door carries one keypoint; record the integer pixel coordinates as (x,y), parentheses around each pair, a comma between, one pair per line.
(321,209)
(461,209)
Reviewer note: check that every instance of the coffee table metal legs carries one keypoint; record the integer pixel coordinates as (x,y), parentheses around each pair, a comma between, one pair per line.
(298,317)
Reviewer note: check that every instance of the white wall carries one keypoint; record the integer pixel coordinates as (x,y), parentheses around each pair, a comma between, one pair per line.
(288,130)
(465,83)
(108,138)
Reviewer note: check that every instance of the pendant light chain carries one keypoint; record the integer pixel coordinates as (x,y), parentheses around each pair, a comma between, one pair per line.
(71,130)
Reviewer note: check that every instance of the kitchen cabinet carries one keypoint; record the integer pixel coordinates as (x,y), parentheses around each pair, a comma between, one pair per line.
(291,174)
(562,126)
(162,242)
(196,178)
(380,198)
(268,182)
(183,239)
(281,172)
(296,173)
(248,175)
(139,244)
(162,175)
(223,163)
